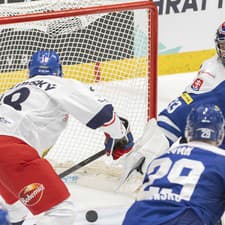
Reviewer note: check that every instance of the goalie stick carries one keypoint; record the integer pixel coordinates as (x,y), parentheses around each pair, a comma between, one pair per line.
(82,163)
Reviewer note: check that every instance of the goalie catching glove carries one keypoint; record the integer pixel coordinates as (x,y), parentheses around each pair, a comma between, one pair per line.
(119,147)
(150,145)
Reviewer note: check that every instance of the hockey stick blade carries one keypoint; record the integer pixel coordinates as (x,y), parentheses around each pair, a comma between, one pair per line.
(82,163)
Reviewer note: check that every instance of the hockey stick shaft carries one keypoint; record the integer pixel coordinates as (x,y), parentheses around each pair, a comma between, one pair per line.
(82,163)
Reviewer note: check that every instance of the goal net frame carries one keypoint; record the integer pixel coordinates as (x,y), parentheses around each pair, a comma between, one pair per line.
(153,26)
(152,51)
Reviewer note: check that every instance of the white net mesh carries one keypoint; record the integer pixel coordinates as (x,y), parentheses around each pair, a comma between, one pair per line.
(107,50)
(53,5)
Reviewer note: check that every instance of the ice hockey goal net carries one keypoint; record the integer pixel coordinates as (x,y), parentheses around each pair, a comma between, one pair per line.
(112,47)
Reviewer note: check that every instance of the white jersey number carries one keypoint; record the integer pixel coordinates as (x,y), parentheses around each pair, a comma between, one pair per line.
(174,105)
(185,172)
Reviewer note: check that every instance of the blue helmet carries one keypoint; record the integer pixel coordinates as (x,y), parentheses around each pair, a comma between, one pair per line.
(220,42)
(205,122)
(4,220)
(45,62)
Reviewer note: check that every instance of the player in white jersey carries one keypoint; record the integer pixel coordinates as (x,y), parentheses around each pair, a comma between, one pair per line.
(186,185)
(33,114)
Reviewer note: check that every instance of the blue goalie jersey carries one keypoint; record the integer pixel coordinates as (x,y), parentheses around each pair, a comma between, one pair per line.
(207,88)
(188,176)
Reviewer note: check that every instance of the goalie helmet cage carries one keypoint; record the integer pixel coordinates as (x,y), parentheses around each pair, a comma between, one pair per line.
(102,44)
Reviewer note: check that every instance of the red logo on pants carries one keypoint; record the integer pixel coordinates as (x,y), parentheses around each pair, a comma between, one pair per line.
(31,194)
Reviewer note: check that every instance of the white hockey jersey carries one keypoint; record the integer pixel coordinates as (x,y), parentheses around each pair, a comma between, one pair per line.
(37,110)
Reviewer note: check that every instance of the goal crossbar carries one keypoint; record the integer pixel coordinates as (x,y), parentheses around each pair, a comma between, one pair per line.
(77,12)
(153,50)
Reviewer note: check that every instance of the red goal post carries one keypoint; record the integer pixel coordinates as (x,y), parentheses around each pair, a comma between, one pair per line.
(105,46)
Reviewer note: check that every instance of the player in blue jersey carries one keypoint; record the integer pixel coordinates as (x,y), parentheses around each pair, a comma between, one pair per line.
(186,185)
(207,87)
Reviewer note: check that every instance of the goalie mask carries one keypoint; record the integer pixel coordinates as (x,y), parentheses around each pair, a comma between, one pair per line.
(220,42)
(205,122)
(45,62)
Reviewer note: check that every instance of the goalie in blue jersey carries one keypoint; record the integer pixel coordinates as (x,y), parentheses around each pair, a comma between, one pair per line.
(186,185)
(207,88)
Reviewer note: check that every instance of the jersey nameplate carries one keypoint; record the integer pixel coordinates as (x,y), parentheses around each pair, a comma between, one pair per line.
(181,150)
(39,83)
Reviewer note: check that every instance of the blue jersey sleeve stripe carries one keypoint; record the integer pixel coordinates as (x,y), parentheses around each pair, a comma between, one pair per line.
(171,137)
(170,132)
(169,128)
(167,120)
